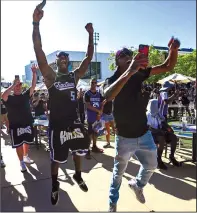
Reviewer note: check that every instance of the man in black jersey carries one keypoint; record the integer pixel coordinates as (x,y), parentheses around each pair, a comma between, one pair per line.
(20,118)
(66,132)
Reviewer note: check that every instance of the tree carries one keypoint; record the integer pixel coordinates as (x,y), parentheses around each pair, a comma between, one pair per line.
(186,64)
(25,86)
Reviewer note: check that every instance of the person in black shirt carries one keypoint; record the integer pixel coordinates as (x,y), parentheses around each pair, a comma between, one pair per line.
(129,110)
(4,117)
(185,102)
(20,118)
(39,105)
(66,131)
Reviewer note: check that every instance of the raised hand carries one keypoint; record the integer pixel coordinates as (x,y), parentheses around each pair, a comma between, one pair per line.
(89,28)
(174,44)
(140,61)
(38,14)
(34,68)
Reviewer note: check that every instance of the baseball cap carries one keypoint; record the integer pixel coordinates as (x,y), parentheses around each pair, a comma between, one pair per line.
(62,53)
(166,85)
(124,51)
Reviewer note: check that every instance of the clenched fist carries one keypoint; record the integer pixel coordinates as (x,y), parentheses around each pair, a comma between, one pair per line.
(174,44)
(89,28)
(38,14)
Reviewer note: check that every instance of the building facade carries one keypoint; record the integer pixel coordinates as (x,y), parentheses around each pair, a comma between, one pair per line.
(101,67)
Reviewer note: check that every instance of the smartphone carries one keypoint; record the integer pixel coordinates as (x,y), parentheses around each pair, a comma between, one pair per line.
(17,77)
(144,49)
(42,4)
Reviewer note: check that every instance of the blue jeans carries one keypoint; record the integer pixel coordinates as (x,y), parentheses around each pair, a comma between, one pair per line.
(144,149)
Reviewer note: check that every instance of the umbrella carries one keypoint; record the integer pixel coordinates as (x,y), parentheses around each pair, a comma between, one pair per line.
(179,78)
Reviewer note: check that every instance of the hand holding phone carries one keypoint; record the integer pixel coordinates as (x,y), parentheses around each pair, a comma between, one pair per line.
(144,49)
(41,5)
(17,77)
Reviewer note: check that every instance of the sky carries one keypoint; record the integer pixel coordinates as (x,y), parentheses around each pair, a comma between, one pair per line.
(119,23)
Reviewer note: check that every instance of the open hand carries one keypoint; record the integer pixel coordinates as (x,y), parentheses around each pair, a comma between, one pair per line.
(38,14)
(140,61)
(89,28)
(34,68)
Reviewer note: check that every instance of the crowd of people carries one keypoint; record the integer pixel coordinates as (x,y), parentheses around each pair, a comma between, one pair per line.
(134,112)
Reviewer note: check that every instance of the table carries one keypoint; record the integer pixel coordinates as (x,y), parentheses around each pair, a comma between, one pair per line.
(192,129)
(37,123)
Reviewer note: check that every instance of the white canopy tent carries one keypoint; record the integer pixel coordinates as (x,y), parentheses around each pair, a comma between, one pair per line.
(41,86)
(179,78)
(83,85)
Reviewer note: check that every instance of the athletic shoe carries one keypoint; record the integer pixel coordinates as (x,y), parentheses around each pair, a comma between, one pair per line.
(80,182)
(138,191)
(107,145)
(2,164)
(96,149)
(23,167)
(27,160)
(112,207)
(55,194)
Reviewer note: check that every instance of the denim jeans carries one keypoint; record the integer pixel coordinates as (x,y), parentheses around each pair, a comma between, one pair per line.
(144,149)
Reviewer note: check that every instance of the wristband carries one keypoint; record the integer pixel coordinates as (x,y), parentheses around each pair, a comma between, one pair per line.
(35,23)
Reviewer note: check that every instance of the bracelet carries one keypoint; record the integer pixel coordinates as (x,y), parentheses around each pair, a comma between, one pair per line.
(35,23)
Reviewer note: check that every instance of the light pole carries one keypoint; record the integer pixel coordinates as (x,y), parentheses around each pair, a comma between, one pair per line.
(96,38)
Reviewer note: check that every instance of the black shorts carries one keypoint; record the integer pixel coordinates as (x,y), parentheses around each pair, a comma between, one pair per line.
(62,141)
(21,134)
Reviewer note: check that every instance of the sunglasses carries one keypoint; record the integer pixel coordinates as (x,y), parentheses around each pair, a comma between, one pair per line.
(94,83)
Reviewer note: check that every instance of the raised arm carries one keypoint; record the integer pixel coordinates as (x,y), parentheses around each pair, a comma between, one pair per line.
(34,79)
(46,70)
(82,69)
(170,61)
(7,92)
(139,61)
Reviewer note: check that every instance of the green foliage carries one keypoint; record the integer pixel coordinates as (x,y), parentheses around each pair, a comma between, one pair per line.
(25,86)
(186,64)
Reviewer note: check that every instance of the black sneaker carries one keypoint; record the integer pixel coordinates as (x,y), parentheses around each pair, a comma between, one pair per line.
(161,165)
(55,194)
(81,183)
(97,150)
(107,145)
(174,161)
(112,208)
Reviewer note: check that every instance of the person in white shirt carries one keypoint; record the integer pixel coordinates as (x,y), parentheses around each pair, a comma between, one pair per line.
(161,132)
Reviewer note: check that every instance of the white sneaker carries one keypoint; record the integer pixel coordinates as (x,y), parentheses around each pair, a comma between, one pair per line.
(138,191)
(2,164)
(27,160)
(23,167)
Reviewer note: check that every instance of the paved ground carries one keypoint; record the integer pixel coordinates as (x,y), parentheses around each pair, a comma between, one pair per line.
(172,190)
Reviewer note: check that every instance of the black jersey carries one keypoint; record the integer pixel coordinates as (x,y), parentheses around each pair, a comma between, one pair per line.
(63,103)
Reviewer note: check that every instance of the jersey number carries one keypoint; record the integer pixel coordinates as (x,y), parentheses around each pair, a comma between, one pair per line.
(72,96)
(95,104)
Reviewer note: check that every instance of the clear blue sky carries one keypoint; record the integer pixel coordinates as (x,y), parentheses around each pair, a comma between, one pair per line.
(119,23)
